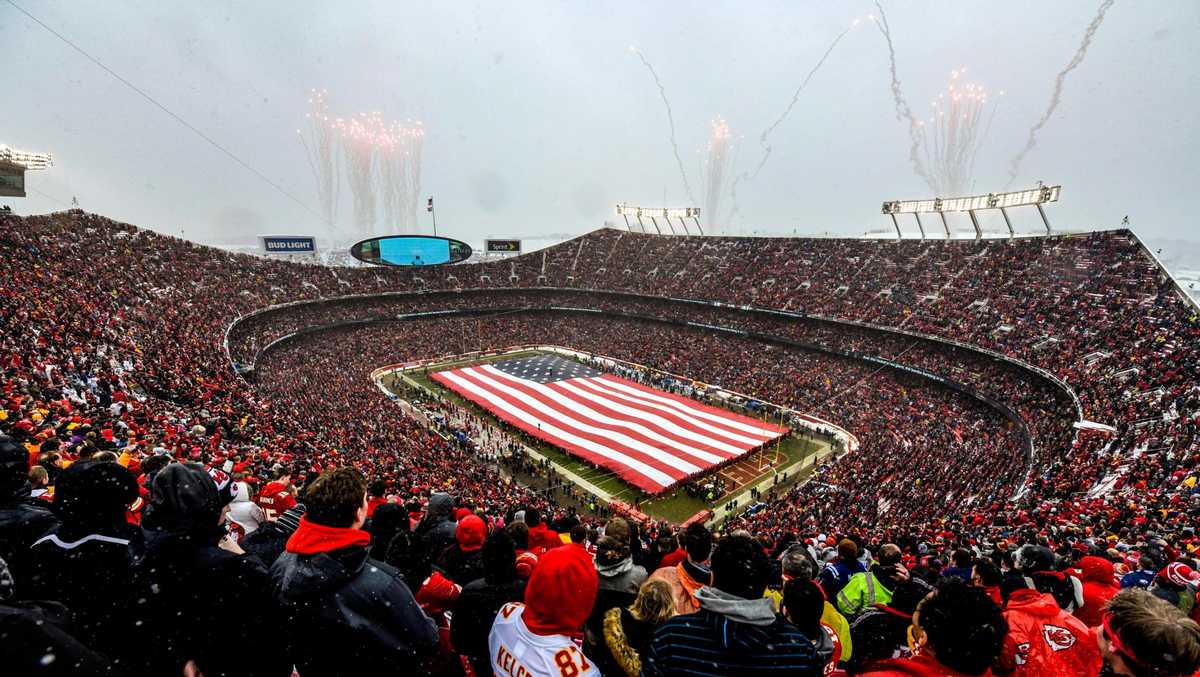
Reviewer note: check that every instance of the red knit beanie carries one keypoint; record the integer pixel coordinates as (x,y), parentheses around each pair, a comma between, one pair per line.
(561,592)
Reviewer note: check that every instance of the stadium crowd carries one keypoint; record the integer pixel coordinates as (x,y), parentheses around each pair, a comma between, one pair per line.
(141,473)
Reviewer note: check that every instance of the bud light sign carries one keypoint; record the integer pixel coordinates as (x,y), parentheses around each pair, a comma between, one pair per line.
(288,244)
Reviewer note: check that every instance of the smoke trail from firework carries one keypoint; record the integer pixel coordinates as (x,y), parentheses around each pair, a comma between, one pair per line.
(1056,97)
(670,120)
(715,170)
(318,140)
(903,111)
(762,139)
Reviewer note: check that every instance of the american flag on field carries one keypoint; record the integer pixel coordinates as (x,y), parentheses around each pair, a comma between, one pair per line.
(650,438)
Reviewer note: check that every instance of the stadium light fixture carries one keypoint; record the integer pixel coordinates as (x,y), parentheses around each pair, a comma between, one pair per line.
(1032,197)
(32,161)
(655,213)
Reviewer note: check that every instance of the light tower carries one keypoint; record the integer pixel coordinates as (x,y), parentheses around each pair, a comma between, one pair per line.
(13,165)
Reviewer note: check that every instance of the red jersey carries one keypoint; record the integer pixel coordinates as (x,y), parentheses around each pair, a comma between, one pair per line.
(275,499)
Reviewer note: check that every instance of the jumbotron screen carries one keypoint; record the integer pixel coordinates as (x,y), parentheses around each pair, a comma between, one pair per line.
(410,250)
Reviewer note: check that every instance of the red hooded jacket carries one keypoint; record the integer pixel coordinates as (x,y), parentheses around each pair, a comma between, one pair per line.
(1099,586)
(1045,640)
(542,539)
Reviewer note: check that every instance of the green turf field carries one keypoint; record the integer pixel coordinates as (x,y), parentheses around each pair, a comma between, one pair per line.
(674,505)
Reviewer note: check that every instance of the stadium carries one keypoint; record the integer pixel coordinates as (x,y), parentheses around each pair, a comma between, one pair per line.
(653,447)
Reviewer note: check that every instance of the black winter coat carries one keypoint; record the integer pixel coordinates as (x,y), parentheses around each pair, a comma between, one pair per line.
(92,573)
(23,520)
(348,614)
(206,604)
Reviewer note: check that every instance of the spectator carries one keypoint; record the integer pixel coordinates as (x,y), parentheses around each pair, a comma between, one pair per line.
(437,528)
(985,574)
(90,562)
(873,587)
(956,630)
(1142,577)
(39,482)
(346,614)
(1043,638)
(796,563)
(463,561)
(1099,586)
(1175,584)
(526,559)
(535,638)
(803,605)
(962,565)
(836,574)
(388,520)
(619,582)
(482,598)
(23,519)
(1143,636)
(199,587)
(276,497)
(736,630)
(541,538)
(1035,566)
(270,540)
(627,631)
(881,633)
(691,574)
(244,514)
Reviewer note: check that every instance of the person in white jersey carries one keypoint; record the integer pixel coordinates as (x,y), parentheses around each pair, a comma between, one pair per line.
(540,637)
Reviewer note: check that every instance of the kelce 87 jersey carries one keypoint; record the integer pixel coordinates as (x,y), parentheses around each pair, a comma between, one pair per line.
(517,652)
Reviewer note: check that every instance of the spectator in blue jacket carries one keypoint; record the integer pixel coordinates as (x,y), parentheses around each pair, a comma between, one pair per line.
(1143,577)
(836,574)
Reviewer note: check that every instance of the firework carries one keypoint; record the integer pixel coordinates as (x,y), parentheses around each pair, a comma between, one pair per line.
(1056,96)
(903,111)
(715,170)
(360,139)
(399,159)
(951,138)
(318,138)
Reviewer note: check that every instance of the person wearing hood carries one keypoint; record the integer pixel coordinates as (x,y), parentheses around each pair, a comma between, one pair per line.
(1043,638)
(957,631)
(199,588)
(736,630)
(346,614)
(620,580)
(803,604)
(90,561)
(23,519)
(535,639)
(244,514)
(463,561)
(1099,586)
(691,574)
(437,528)
(476,607)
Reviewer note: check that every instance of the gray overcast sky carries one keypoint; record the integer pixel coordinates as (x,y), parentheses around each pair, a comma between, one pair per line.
(539,118)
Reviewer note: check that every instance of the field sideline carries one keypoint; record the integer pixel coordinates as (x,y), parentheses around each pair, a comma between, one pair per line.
(675,505)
